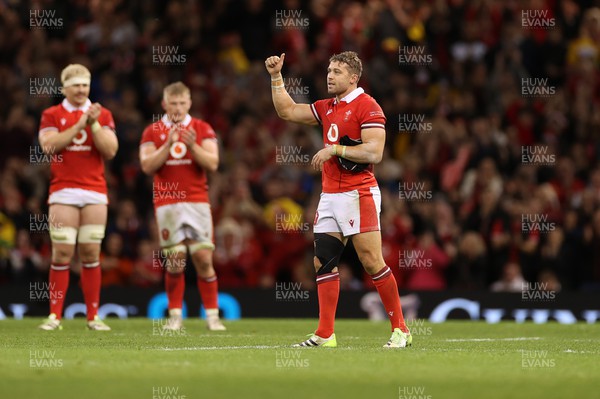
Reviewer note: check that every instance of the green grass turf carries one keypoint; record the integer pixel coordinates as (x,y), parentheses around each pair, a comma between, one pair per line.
(253,360)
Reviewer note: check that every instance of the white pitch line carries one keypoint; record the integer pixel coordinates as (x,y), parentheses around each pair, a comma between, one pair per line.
(494,339)
(212,348)
(572,351)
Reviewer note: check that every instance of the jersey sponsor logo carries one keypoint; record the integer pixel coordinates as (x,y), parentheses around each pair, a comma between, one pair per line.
(333,133)
(80,137)
(178,150)
(79,148)
(172,162)
(78,140)
(375,113)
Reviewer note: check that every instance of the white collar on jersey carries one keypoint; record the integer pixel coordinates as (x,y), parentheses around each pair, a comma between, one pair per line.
(167,122)
(71,108)
(352,95)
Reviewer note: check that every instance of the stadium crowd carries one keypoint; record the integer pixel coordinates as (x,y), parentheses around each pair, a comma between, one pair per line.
(488,215)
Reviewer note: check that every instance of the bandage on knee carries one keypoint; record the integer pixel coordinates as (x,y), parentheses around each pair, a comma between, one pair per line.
(328,250)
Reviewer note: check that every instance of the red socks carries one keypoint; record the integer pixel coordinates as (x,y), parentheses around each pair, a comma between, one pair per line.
(91,277)
(328,287)
(59,283)
(209,291)
(385,282)
(175,287)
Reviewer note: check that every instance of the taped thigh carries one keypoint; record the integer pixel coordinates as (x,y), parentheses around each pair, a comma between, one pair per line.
(63,235)
(91,234)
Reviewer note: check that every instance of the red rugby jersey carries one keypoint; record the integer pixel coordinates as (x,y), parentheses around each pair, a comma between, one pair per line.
(80,164)
(180,179)
(347,117)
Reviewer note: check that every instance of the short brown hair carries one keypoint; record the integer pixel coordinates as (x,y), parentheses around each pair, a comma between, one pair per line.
(175,89)
(351,59)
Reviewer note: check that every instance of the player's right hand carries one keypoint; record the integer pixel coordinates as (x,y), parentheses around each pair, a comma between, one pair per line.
(173,135)
(82,122)
(274,64)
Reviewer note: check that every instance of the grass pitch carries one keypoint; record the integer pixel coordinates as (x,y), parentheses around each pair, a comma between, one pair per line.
(253,360)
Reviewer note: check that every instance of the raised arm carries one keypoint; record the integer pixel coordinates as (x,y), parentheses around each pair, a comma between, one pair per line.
(286,107)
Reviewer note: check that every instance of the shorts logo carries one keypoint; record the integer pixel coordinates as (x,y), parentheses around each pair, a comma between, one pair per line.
(316,217)
(178,150)
(351,221)
(80,138)
(165,234)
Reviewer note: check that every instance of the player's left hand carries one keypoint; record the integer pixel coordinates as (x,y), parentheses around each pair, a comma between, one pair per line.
(93,113)
(188,137)
(321,157)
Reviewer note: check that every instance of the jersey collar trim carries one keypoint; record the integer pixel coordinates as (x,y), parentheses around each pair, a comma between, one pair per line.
(71,108)
(352,95)
(167,122)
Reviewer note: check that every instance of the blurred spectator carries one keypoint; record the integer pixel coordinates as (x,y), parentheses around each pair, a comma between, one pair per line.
(548,281)
(147,271)
(511,281)
(238,256)
(116,268)
(427,272)
(468,270)
(471,160)
(27,265)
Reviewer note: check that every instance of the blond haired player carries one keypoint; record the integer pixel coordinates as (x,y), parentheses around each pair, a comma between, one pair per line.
(84,135)
(178,150)
(354,138)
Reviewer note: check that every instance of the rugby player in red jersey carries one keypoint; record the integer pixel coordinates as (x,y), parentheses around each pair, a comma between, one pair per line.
(354,138)
(178,150)
(80,136)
